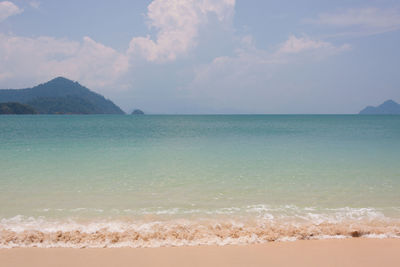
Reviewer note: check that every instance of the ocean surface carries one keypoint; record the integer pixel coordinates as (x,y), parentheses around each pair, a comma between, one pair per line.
(149,181)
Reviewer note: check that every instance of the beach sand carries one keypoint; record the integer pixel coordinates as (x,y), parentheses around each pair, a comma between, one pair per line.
(334,252)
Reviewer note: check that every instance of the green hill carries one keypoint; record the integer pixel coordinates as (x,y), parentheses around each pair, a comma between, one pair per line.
(61,96)
(16,108)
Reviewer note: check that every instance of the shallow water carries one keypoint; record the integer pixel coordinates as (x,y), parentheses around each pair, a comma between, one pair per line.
(176,180)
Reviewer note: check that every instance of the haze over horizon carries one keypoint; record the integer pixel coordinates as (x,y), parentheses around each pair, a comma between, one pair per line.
(221,56)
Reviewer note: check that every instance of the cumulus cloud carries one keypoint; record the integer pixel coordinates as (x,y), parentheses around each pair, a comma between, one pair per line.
(369,20)
(8,9)
(177,23)
(41,58)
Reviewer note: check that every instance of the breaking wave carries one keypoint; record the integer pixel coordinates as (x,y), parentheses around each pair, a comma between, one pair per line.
(263,224)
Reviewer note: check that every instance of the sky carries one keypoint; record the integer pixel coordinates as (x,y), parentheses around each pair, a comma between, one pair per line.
(209,56)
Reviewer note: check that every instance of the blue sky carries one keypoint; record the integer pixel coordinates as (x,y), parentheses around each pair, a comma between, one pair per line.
(209,56)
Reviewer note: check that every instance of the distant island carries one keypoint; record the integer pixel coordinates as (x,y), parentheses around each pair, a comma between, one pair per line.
(387,108)
(137,112)
(16,108)
(58,96)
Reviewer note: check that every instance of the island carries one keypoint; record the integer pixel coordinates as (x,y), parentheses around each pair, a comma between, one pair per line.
(388,107)
(60,96)
(137,112)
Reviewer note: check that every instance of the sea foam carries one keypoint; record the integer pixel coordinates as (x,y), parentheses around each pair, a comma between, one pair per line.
(22,231)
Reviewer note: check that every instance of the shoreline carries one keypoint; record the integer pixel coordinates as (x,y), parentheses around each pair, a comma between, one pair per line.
(31,233)
(325,252)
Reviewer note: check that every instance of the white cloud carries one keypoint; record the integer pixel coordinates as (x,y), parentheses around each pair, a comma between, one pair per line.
(252,74)
(369,20)
(177,23)
(42,58)
(303,44)
(8,9)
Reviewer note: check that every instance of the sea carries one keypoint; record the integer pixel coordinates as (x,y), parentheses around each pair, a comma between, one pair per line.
(188,180)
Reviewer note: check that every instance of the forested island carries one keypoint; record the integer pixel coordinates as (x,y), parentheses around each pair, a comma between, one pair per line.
(58,96)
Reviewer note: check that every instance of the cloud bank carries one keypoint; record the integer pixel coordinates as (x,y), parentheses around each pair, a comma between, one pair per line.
(241,77)
(176,22)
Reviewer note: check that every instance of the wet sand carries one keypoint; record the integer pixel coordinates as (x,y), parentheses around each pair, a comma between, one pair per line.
(344,252)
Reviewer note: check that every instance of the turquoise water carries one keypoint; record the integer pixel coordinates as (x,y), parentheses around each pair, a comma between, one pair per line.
(123,173)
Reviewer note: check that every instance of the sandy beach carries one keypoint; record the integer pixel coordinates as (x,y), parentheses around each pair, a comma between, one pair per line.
(340,252)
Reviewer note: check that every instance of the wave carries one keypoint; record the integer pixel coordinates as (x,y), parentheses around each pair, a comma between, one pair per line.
(259,211)
(286,223)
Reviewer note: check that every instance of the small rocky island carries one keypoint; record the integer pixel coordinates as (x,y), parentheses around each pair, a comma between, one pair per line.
(388,107)
(137,112)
